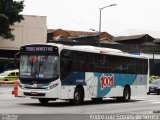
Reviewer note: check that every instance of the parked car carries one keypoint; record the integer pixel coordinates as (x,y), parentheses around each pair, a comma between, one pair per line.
(153,77)
(154,87)
(9,75)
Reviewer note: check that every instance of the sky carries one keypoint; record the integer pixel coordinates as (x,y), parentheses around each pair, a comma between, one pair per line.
(83,15)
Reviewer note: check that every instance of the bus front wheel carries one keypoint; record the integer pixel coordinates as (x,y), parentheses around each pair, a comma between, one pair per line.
(78,96)
(43,101)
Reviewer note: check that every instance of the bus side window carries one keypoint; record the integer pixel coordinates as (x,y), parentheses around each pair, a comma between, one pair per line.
(79,62)
(65,63)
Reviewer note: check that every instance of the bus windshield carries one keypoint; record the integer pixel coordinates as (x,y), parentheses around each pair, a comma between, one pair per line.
(39,66)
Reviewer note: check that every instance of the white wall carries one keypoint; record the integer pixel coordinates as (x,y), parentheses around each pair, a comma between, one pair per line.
(32,29)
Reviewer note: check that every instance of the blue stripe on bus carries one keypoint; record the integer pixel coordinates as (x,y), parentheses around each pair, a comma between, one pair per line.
(75,78)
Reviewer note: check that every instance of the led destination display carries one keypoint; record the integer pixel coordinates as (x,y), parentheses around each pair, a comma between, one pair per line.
(39,48)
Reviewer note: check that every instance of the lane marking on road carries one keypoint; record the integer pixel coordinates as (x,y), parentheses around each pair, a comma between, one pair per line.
(149,101)
(156,102)
(153,101)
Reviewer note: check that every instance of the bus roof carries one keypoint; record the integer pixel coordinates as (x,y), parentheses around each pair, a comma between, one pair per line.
(94,49)
(102,50)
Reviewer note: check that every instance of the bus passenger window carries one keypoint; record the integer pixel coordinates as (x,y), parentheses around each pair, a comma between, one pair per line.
(79,62)
(65,64)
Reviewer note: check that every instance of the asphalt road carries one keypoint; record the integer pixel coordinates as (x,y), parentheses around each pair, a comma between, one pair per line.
(27,108)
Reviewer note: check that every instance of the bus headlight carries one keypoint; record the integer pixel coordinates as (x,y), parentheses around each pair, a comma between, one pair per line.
(52,86)
(20,85)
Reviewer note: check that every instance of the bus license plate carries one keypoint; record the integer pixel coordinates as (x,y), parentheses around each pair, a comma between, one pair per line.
(151,89)
(34,93)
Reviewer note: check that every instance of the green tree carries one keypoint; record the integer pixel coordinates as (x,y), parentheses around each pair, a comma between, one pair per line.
(9,14)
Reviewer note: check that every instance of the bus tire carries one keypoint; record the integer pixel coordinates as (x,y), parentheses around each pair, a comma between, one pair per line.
(43,101)
(78,96)
(126,95)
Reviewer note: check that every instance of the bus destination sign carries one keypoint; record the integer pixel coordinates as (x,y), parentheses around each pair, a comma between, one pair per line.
(39,49)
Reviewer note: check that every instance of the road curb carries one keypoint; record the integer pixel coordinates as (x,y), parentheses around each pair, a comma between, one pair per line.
(156,111)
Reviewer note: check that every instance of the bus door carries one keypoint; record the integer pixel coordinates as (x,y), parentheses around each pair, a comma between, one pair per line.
(65,71)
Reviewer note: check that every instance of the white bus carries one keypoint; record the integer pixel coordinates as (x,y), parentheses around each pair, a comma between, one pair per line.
(54,71)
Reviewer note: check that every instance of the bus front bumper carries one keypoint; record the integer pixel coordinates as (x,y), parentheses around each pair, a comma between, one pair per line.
(38,93)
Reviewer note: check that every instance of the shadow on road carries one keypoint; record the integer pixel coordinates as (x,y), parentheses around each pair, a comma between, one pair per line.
(85,103)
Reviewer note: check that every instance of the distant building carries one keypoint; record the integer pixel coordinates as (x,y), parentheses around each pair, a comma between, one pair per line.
(143,44)
(157,41)
(32,29)
(132,32)
(78,36)
(135,39)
